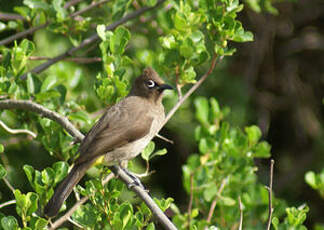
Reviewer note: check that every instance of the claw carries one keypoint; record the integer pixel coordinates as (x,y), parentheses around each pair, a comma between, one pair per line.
(136,181)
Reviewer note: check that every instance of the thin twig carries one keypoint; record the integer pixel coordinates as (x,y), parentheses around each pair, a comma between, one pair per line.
(22,34)
(192,89)
(75,223)
(164,138)
(10,16)
(270,194)
(241,213)
(7,203)
(17,131)
(83,60)
(190,199)
(34,107)
(8,184)
(213,205)
(178,86)
(93,38)
(89,7)
(71,3)
(69,213)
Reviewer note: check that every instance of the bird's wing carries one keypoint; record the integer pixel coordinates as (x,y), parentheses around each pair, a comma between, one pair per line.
(125,122)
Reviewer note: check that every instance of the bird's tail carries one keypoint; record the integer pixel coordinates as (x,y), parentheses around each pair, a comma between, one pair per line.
(63,191)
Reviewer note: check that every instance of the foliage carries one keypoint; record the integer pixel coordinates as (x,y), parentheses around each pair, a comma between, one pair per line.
(180,43)
(316,181)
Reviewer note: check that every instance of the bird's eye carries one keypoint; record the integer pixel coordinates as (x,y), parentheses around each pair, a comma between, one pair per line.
(150,83)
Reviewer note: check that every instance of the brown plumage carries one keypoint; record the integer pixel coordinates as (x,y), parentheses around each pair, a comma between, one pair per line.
(120,134)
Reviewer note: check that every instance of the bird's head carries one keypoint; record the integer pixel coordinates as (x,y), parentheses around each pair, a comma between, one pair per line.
(149,85)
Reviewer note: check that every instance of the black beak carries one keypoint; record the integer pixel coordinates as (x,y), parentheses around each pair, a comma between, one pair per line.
(164,87)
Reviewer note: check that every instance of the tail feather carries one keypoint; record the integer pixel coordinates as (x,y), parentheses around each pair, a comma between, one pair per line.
(65,188)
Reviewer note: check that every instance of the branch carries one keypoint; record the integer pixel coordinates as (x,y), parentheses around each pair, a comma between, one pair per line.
(213,205)
(89,7)
(34,107)
(83,60)
(190,199)
(164,138)
(90,40)
(192,89)
(16,131)
(22,34)
(163,219)
(241,213)
(69,213)
(7,203)
(9,16)
(9,185)
(270,194)
(71,3)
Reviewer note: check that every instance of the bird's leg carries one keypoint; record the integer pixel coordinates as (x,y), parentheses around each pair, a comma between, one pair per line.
(136,181)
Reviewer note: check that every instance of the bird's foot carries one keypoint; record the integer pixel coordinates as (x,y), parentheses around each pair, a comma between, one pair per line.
(135,182)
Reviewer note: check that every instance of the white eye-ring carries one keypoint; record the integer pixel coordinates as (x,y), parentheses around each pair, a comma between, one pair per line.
(150,83)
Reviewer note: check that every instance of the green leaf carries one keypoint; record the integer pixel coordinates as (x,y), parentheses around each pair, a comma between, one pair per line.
(210,192)
(296,216)
(2,26)
(148,151)
(160,152)
(119,8)
(151,2)
(188,76)
(227,201)
(61,169)
(60,11)
(36,4)
(187,48)
(202,109)
(1,148)
(26,204)
(119,40)
(48,176)
(80,116)
(275,223)
(29,171)
(310,179)
(27,47)
(126,213)
(101,31)
(242,36)
(3,171)
(203,147)
(32,199)
(151,226)
(262,150)
(30,83)
(180,22)
(168,42)
(49,83)
(194,213)
(41,223)
(254,134)
(9,223)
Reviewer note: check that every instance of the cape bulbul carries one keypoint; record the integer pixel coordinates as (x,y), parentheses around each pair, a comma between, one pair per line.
(120,134)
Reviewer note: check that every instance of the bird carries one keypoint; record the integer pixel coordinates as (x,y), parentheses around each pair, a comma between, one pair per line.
(121,133)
